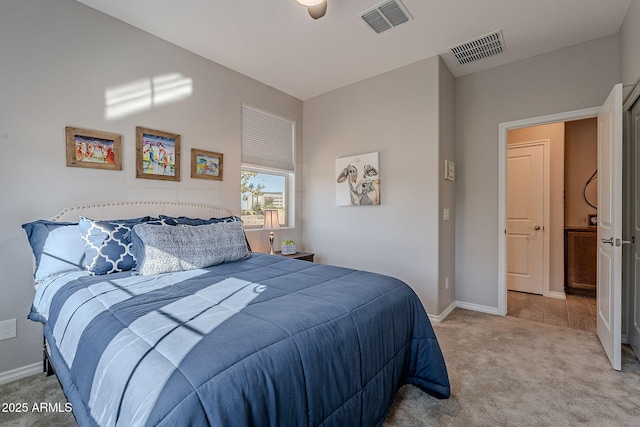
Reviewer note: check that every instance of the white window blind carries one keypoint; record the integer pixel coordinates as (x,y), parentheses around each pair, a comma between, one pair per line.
(267,140)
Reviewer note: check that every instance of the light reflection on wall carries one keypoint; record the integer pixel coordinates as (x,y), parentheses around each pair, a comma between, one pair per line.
(140,95)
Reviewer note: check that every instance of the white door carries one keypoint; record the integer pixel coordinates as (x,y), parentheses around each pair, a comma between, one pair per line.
(525,216)
(609,285)
(634,330)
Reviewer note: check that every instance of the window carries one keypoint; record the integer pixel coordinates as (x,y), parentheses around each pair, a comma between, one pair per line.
(267,171)
(261,189)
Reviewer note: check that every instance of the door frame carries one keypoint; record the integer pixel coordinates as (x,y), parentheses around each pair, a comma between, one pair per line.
(503,129)
(630,283)
(546,209)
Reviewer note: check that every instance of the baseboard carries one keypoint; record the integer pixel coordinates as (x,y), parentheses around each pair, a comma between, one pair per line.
(19,373)
(464,305)
(557,295)
(477,307)
(443,315)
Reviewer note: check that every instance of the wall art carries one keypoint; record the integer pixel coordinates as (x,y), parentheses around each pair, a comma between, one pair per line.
(157,154)
(206,164)
(93,149)
(358,180)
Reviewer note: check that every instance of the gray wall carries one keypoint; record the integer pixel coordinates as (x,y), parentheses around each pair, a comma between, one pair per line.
(58,59)
(630,72)
(447,235)
(397,114)
(629,47)
(572,78)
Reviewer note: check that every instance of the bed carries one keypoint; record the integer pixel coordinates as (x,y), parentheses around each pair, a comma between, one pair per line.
(250,340)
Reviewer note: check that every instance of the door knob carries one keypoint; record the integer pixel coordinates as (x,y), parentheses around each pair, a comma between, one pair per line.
(609,241)
(536,227)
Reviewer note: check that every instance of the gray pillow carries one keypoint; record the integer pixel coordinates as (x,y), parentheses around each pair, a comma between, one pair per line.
(162,249)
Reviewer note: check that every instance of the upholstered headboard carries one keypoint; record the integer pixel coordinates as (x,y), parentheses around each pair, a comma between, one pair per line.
(117,210)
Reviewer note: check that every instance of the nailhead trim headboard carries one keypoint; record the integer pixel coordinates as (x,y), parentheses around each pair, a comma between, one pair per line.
(133,209)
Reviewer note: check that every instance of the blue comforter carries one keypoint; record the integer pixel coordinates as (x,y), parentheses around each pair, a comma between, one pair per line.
(266,341)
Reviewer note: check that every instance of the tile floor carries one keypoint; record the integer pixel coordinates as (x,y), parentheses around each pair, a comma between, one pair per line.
(576,312)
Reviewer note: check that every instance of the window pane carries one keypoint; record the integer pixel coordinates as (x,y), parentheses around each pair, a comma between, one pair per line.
(259,191)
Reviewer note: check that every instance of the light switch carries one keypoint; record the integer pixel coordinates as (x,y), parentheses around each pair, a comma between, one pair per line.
(445,214)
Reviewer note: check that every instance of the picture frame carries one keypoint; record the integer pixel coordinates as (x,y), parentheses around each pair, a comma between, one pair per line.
(94,149)
(206,164)
(593,220)
(157,154)
(358,180)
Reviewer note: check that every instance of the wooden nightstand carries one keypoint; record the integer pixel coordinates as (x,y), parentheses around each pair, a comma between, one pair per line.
(303,256)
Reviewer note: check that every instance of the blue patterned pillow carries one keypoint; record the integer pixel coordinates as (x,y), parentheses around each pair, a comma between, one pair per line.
(225,219)
(184,220)
(108,244)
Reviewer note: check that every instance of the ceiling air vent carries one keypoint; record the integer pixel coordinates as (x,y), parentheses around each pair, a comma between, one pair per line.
(482,47)
(386,16)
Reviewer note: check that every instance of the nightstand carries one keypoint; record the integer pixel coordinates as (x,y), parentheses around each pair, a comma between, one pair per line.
(303,256)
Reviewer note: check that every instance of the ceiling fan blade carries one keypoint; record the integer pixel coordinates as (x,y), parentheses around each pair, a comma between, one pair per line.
(318,11)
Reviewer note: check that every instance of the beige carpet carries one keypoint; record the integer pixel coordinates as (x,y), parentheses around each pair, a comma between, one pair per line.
(504,371)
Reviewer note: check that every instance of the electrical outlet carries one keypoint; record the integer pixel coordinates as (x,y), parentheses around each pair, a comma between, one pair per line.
(7,329)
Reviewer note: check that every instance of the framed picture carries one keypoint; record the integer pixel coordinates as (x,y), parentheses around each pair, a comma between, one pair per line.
(206,164)
(593,220)
(93,149)
(358,180)
(157,154)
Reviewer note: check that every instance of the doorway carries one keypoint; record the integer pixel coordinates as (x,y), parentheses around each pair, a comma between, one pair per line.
(504,128)
(609,223)
(548,210)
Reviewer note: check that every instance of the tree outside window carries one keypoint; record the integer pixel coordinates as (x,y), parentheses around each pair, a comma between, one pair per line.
(263,189)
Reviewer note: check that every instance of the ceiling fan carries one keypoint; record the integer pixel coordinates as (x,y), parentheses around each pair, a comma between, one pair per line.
(316,8)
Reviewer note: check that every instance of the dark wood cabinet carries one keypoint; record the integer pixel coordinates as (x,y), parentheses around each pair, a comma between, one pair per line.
(303,256)
(580,260)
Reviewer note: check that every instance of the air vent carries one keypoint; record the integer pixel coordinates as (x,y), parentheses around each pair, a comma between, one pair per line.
(480,48)
(386,16)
